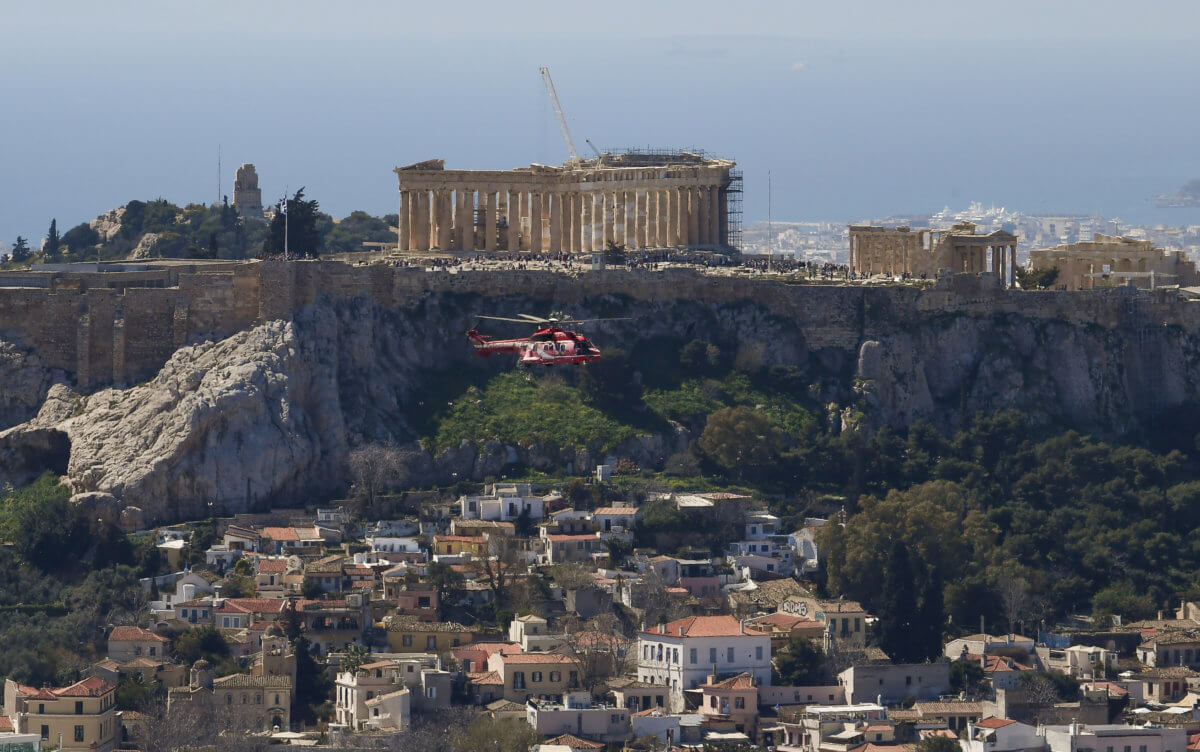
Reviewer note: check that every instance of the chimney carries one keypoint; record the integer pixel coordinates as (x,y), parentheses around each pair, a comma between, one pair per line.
(742,624)
(681,630)
(1160,613)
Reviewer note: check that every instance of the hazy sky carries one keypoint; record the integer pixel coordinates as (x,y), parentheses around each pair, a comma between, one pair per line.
(857,109)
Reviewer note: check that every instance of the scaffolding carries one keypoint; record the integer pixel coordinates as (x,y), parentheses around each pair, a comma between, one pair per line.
(733,217)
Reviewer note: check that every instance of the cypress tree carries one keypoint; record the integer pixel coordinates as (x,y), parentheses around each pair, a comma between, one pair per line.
(896,613)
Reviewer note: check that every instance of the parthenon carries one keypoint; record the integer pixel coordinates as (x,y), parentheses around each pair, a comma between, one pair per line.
(635,200)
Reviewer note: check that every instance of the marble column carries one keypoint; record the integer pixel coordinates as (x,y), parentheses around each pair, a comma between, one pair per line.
(489,219)
(585,222)
(652,219)
(402,223)
(620,230)
(714,215)
(610,216)
(513,216)
(421,220)
(599,215)
(556,223)
(535,222)
(570,220)
(442,218)
(466,219)
(701,195)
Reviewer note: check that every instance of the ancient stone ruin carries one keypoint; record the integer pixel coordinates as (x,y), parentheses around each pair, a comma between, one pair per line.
(923,253)
(247,196)
(1108,260)
(636,200)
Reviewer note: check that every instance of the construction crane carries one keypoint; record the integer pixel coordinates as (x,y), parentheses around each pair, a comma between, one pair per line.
(573,156)
(599,156)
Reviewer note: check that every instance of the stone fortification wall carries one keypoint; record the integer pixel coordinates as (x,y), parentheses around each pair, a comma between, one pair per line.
(110,335)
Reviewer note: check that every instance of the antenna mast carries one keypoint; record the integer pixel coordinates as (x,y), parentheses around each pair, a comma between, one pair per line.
(562,119)
(218,174)
(770,232)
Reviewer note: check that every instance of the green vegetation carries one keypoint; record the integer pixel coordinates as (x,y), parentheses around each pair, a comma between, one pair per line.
(518,410)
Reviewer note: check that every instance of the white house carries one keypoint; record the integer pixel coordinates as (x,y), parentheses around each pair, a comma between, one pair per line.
(576,714)
(503,502)
(1001,735)
(682,653)
(388,544)
(1078,737)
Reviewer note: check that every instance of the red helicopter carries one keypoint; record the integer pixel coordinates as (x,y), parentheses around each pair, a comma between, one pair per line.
(549,345)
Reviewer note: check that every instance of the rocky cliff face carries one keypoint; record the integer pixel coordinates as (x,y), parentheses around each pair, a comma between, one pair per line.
(269,414)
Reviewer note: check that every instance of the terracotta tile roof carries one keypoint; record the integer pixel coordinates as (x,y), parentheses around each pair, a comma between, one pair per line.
(458,539)
(615,510)
(952,708)
(257,605)
(518,659)
(272,566)
(786,621)
(574,742)
(280,533)
(134,634)
(1111,687)
(1167,672)
(90,687)
(991,722)
(241,532)
(562,538)
(485,678)
(741,681)
(5,723)
(704,626)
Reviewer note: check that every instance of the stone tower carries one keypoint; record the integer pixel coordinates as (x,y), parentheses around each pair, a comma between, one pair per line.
(247,197)
(277,657)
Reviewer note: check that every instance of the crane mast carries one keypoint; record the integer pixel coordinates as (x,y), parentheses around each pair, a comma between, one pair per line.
(573,156)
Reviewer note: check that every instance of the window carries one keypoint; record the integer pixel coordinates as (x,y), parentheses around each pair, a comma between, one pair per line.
(572,678)
(729,655)
(375,712)
(41,708)
(555,676)
(228,699)
(758,653)
(79,733)
(856,625)
(712,701)
(137,651)
(79,707)
(519,682)
(45,732)
(152,650)
(536,677)
(712,655)
(908,681)
(276,700)
(431,692)
(658,700)
(406,641)
(258,699)
(431,642)
(692,656)
(370,695)
(739,703)
(615,718)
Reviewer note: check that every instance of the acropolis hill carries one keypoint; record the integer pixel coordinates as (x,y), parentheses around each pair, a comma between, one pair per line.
(186,388)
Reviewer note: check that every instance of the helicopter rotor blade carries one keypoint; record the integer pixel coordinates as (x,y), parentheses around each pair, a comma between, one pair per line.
(503,318)
(587,321)
(534,319)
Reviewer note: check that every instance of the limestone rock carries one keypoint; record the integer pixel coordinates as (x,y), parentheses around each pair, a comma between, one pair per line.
(108,224)
(145,246)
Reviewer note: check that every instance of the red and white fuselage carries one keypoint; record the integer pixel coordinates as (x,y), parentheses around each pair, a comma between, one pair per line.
(545,347)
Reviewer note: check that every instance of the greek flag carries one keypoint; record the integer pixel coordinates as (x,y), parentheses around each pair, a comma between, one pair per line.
(283,205)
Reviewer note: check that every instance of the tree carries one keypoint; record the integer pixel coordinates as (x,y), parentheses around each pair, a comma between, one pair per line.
(937,744)
(1037,279)
(202,642)
(20,251)
(80,238)
(614,253)
(300,223)
(313,684)
(597,645)
(239,586)
(799,663)
(354,658)
(52,242)
(741,439)
(1014,596)
(500,560)
(374,468)
(967,676)
(929,621)
(896,606)
(486,734)
(523,525)
(444,579)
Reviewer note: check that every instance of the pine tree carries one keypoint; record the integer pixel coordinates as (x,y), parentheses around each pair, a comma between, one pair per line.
(930,616)
(20,251)
(53,241)
(297,230)
(898,606)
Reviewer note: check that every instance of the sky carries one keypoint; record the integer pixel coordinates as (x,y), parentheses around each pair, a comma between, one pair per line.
(854,109)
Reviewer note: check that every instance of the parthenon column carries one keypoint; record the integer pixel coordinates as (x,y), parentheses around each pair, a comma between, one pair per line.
(656,225)
(465,220)
(489,220)
(441,214)
(421,220)
(621,222)
(556,223)
(714,215)
(610,215)
(402,223)
(701,215)
(599,239)
(571,221)
(513,217)
(672,216)
(535,222)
